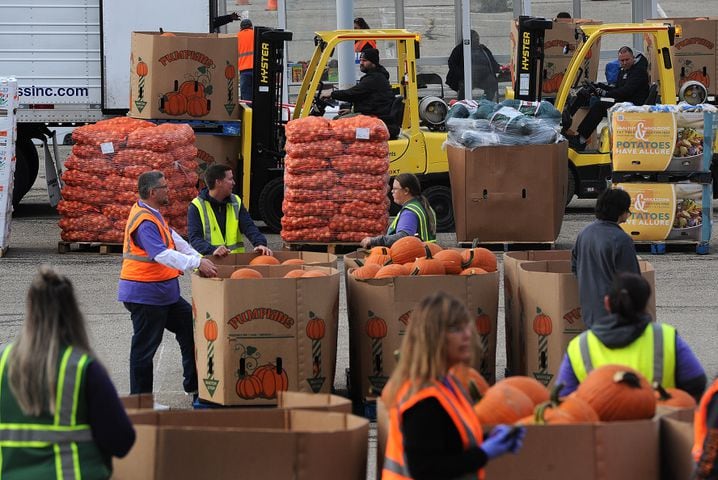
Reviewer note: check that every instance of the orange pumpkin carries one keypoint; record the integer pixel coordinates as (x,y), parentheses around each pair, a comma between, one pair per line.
(248,387)
(700,76)
(578,409)
(452,261)
(167,34)
(264,260)
(483,323)
(315,327)
(543,325)
(375,326)
(434,248)
(229,71)
(174,103)
(618,392)
(673,397)
(530,386)
(407,249)
(210,330)
(197,106)
(192,88)
(474,271)
(393,270)
(293,261)
(141,68)
(427,265)
(479,257)
(246,273)
(294,273)
(503,404)
(378,256)
(366,272)
(471,380)
(547,413)
(273,379)
(315,273)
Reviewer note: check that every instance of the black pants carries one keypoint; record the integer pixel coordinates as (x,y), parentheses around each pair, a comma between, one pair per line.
(148,324)
(596,111)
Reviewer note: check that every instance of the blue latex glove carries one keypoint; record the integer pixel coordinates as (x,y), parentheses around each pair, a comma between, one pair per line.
(503,439)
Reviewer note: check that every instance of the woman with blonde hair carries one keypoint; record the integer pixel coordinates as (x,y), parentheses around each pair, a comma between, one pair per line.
(60,416)
(433,430)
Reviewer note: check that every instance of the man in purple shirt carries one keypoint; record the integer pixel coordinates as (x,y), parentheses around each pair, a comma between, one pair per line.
(154,256)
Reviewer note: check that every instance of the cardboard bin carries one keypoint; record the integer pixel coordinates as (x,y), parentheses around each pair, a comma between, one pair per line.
(186,76)
(551,313)
(255,337)
(142,401)
(314,259)
(248,443)
(379,311)
(513,325)
(508,193)
(676,445)
(216,149)
(314,401)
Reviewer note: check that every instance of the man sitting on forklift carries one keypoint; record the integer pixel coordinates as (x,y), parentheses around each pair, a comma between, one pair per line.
(373,94)
(632,86)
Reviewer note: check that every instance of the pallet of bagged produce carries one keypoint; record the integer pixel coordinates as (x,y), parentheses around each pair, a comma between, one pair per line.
(89,247)
(228,128)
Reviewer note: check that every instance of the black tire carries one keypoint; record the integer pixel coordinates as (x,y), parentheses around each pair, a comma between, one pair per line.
(439,197)
(270,204)
(571,185)
(26,168)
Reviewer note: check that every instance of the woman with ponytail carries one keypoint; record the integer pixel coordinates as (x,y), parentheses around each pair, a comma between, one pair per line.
(629,336)
(416,217)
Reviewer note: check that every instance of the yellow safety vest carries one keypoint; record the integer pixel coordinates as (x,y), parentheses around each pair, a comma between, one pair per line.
(232,236)
(415,206)
(653,354)
(58,446)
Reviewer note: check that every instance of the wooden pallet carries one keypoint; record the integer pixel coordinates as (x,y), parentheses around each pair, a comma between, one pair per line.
(89,247)
(335,248)
(511,246)
(660,248)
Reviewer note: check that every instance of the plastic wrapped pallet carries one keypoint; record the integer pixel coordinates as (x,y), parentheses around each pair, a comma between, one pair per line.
(335,177)
(100,180)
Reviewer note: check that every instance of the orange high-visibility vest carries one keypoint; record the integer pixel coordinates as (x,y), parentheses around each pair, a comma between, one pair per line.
(700,428)
(245,48)
(136,264)
(456,405)
(359,45)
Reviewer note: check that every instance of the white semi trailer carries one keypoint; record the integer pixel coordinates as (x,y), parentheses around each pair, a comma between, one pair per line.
(71,60)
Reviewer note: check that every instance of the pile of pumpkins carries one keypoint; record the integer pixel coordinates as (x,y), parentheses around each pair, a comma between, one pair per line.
(411,256)
(246,272)
(609,393)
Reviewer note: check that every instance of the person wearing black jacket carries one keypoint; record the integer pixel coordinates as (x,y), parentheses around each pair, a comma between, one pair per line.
(484,69)
(223,20)
(373,94)
(632,86)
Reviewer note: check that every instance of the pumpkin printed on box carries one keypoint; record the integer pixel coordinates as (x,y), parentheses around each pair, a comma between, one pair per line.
(376,329)
(142,70)
(316,328)
(552,80)
(190,96)
(210,331)
(542,326)
(262,381)
(688,73)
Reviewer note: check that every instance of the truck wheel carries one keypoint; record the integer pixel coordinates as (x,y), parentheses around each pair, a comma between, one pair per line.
(26,168)
(270,204)
(571,185)
(439,197)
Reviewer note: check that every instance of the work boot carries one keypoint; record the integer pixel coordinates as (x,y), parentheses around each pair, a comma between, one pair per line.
(574,141)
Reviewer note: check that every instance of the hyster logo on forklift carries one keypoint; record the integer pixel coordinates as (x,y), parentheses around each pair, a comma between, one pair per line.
(264,70)
(525,51)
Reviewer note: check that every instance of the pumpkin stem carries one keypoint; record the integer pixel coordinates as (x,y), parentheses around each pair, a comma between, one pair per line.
(360,262)
(415,271)
(474,393)
(468,262)
(475,243)
(555,393)
(662,392)
(629,378)
(540,412)
(428,252)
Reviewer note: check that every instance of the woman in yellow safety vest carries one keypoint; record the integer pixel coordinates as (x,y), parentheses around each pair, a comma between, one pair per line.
(60,417)
(705,431)
(416,217)
(433,430)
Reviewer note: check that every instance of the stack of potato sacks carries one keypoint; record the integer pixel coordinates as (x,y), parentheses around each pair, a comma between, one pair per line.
(336,177)
(100,180)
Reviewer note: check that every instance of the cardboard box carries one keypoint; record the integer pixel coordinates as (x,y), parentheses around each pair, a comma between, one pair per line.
(217,149)
(509,193)
(389,302)
(602,451)
(563,34)
(549,289)
(676,445)
(191,76)
(249,444)
(317,259)
(669,211)
(254,337)
(142,401)
(658,141)
(314,401)
(513,319)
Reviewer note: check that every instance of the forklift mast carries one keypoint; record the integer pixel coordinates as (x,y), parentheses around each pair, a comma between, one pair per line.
(267,124)
(530,57)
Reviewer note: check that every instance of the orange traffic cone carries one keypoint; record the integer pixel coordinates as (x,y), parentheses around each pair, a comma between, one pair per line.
(271,5)
(242,2)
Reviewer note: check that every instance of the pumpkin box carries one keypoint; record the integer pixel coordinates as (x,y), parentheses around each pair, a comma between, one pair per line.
(676,444)
(183,76)
(255,337)
(315,259)
(252,444)
(550,313)
(379,311)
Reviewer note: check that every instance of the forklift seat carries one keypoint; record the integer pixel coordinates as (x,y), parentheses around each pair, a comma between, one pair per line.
(652,97)
(396,116)
(423,80)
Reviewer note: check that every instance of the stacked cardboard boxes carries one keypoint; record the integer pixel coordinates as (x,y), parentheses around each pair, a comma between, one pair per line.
(662,159)
(8,127)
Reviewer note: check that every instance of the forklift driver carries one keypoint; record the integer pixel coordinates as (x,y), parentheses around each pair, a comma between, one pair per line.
(632,86)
